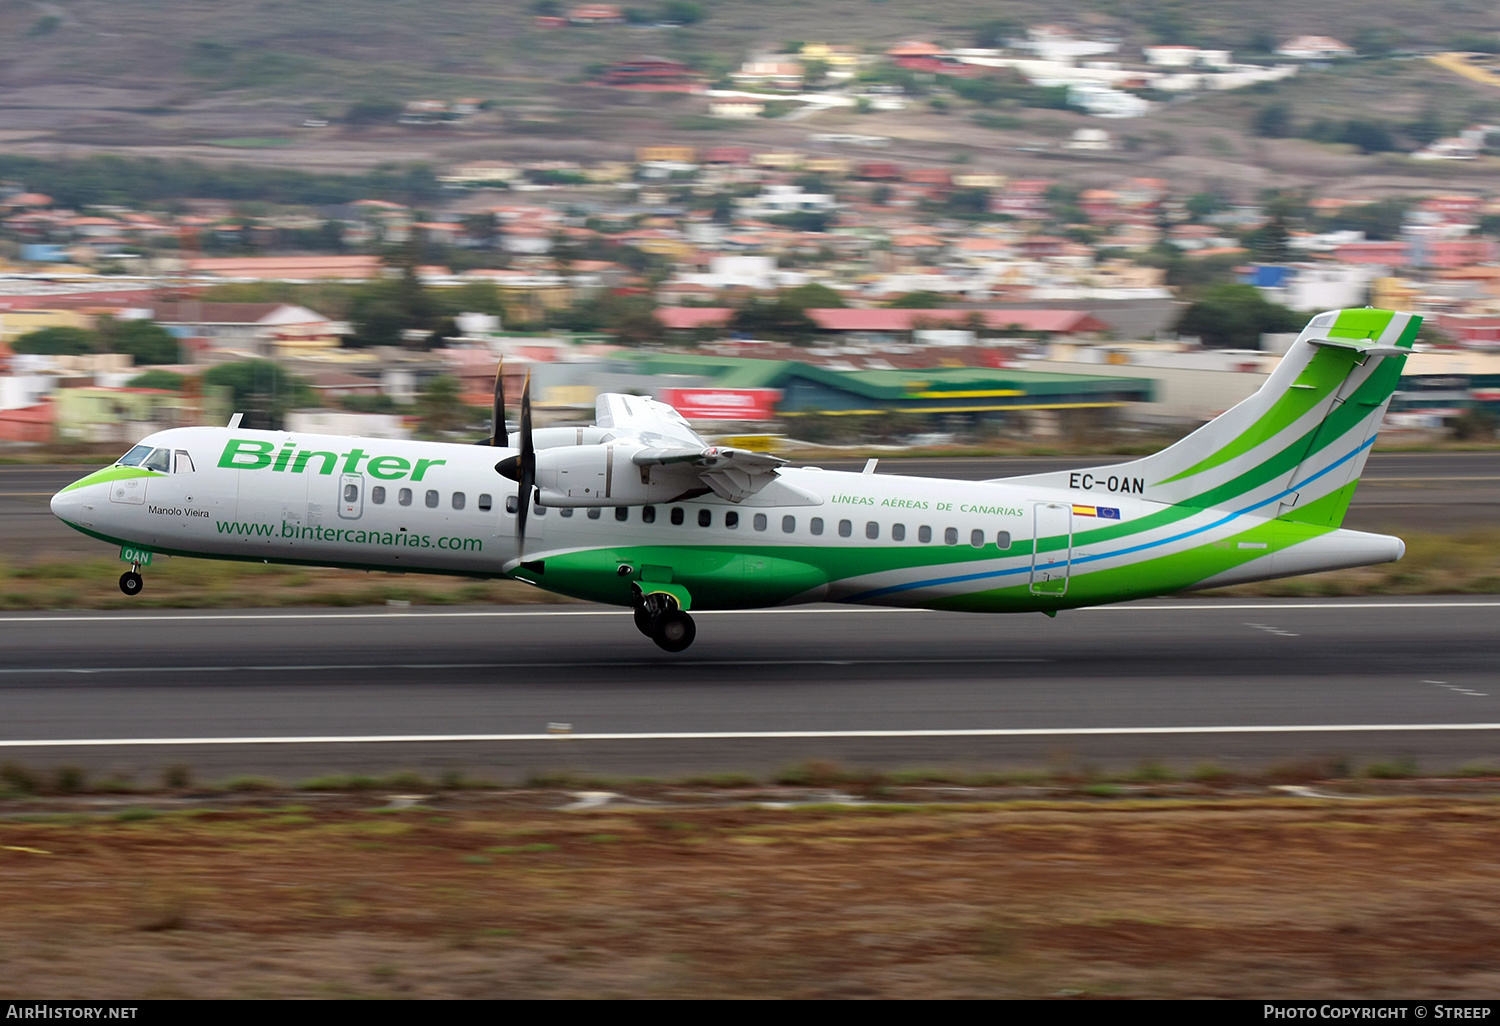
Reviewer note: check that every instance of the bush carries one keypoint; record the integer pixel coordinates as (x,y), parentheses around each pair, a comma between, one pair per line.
(56,342)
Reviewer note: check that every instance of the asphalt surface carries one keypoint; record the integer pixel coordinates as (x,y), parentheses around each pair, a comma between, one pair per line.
(1451,491)
(502,693)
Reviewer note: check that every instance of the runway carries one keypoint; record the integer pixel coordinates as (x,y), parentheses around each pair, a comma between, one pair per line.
(502,693)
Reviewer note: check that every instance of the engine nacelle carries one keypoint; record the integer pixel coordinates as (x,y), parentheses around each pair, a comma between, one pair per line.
(603,475)
(553,437)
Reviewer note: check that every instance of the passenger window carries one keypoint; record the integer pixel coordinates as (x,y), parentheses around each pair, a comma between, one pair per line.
(815,525)
(1002,540)
(950,535)
(594,512)
(872,530)
(458,500)
(898,532)
(976,538)
(160,459)
(351,492)
(377,494)
(486,502)
(622,513)
(511,505)
(566,511)
(677,515)
(731,520)
(705,518)
(183,462)
(760,521)
(648,514)
(788,525)
(924,534)
(846,529)
(432,498)
(404,497)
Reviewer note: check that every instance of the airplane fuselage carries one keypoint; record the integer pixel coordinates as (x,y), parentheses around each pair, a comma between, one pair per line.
(810,535)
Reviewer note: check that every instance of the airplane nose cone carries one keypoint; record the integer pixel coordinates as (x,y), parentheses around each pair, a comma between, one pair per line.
(68,504)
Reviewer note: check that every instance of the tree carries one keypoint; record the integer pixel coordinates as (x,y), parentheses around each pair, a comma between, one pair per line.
(1202,204)
(146,342)
(482,229)
(56,342)
(682,12)
(1368,136)
(262,390)
(814,71)
(439,407)
(1234,316)
(1269,242)
(919,301)
(1273,121)
(777,319)
(167,381)
(994,33)
(371,112)
(814,296)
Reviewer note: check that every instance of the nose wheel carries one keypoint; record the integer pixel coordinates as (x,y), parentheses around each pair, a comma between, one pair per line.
(131,581)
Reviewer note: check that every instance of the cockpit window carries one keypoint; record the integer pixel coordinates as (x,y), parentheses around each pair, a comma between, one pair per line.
(160,459)
(134,457)
(182,462)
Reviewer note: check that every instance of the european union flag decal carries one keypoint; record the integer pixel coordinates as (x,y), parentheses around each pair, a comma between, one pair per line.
(1107,513)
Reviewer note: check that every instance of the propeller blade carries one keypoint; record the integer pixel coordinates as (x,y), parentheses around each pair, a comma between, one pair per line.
(521,468)
(499,436)
(527,483)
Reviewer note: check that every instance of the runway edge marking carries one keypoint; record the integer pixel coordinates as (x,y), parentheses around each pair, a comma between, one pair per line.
(752,735)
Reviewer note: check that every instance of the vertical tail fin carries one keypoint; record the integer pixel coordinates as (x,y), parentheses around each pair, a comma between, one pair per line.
(1295,449)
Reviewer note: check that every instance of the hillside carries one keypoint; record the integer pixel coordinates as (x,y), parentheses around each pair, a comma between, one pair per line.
(210,80)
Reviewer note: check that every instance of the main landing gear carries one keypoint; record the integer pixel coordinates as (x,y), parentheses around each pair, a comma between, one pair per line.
(131,581)
(658,618)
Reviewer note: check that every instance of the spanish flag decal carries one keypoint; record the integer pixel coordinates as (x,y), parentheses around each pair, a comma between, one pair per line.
(1102,512)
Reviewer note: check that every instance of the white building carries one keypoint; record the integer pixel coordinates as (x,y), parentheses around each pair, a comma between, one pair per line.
(1314,48)
(784,199)
(1105,102)
(1096,139)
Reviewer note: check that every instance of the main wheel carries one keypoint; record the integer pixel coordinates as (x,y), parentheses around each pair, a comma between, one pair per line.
(673,630)
(644,621)
(131,583)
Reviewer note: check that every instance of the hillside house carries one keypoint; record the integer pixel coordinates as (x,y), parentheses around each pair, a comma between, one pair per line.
(1314,48)
(647,71)
(596,14)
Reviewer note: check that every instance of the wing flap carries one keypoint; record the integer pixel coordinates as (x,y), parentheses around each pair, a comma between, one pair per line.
(732,474)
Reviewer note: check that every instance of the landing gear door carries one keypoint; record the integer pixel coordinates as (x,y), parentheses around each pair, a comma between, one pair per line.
(1052,548)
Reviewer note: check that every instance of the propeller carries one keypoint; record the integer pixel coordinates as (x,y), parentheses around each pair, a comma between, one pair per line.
(499,436)
(521,468)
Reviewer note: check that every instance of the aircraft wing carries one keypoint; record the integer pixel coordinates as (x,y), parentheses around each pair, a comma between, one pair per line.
(667,440)
(646,420)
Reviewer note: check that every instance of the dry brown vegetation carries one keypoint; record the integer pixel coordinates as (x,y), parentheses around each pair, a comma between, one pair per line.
(498,895)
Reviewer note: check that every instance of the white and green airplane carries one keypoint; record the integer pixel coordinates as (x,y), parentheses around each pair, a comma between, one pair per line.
(640,511)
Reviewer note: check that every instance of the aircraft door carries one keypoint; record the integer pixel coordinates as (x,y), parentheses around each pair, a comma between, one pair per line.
(351,496)
(1052,548)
